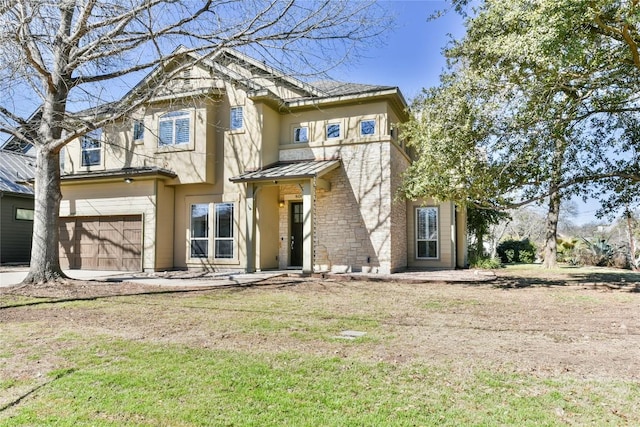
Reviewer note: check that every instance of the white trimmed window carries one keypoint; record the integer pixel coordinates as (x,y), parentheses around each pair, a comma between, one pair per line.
(237,118)
(174,128)
(367,127)
(333,130)
(223,241)
(199,236)
(301,134)
(426,233)
(201,245)
(92,148)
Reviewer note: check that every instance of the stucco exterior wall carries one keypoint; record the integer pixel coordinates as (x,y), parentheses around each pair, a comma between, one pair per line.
(399,163)
(164,226)
(446,236)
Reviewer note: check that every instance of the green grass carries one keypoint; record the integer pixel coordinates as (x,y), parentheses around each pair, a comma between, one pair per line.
(270,357)
(117,382)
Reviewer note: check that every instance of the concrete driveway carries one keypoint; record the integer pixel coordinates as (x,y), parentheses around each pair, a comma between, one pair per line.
(14,275)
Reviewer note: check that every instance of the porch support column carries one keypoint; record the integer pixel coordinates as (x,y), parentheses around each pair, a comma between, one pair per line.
(251,229)
(307,228)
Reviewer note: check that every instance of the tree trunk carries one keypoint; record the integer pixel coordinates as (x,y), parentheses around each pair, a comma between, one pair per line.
(551,231)
(632,242)
(480,245)
(45,264)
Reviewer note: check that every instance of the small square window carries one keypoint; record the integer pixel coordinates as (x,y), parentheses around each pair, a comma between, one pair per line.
(301,134)
(138,130)
(237,118)
(367,127)
(333,130)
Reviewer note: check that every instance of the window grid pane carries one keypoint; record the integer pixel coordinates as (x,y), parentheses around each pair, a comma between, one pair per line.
(138,130)
(166,133)
(427,232)
(224,242)
(367,127)
(333,130)
(236,118)
(301,134)
(199,230)
(182,131)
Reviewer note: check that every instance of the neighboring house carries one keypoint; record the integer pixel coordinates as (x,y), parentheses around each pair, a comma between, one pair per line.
(237,166)
(16,206)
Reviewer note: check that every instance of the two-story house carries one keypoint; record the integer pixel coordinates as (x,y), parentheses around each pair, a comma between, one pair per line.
(236,166)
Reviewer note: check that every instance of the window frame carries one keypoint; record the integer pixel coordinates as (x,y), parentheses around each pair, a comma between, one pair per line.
(296,132)
(29,216)
(205,238)
(138,130)
(216,232)
(332,124)
(174,117)
(92,137)
(367,135)
(418,239)
(213,233)
(233,125)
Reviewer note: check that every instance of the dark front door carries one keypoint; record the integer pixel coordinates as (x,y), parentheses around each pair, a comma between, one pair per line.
(295,244)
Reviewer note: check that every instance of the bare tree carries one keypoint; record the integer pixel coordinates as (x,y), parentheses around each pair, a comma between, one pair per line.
(63,56)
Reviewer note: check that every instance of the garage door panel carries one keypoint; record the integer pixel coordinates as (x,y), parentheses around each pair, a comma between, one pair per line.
(103,243)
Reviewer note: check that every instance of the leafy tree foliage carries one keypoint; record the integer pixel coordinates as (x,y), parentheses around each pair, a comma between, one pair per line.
(532,107)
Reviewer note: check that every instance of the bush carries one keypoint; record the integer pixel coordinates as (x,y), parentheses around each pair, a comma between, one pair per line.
(513,251)
(485,262)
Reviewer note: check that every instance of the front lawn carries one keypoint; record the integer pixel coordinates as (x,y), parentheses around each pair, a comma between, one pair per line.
(561,351)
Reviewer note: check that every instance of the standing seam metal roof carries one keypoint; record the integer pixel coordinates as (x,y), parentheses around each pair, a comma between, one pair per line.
(16,168)
(291,170)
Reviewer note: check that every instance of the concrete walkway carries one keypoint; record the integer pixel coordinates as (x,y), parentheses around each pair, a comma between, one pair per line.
(14,275)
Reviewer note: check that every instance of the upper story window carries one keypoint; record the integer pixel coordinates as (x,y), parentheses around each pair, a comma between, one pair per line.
(138,130)
(173,128)
(237,118)
(301,134)
(333,130)
(91,146)
(367,127)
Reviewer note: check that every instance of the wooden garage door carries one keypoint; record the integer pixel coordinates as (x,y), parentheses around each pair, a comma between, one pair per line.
(101,243)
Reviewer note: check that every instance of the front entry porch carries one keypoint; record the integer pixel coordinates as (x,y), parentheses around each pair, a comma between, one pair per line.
(280,202)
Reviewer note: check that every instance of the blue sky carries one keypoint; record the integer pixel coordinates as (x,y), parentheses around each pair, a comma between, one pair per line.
(412,59)
(412,56)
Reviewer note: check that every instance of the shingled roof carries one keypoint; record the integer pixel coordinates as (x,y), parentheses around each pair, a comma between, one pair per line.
(15,169)
(335,88)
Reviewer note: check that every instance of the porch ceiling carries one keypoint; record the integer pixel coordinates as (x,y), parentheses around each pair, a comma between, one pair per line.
(289,171)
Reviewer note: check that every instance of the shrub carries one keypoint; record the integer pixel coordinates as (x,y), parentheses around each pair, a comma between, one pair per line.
(485,263)
(512,251)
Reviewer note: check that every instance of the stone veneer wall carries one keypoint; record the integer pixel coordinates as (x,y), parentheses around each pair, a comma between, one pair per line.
(359,224)
(354,218)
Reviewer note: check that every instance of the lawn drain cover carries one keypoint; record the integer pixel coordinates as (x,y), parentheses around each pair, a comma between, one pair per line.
(351,335)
